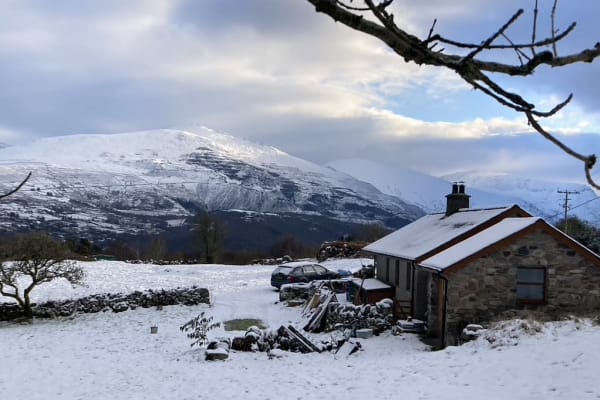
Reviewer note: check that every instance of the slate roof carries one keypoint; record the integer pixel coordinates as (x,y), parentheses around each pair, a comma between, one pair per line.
(433,231)
(478,242)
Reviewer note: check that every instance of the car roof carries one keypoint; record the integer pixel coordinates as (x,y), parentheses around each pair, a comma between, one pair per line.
(297,264)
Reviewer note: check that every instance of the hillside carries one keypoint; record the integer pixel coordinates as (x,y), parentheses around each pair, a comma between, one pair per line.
(146,182)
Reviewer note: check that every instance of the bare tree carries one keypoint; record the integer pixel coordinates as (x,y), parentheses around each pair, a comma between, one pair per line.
(374,18)
(16,189)
(210,232)
(28,261)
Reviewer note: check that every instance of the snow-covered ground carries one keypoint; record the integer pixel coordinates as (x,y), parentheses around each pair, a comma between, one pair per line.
(114,356)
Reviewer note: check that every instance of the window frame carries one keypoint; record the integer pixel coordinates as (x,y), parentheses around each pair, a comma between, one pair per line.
(543,285)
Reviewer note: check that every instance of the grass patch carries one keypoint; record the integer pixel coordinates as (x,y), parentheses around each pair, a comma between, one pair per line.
(242,324)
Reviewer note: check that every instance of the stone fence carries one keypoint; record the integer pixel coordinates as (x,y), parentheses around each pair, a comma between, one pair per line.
(110,302)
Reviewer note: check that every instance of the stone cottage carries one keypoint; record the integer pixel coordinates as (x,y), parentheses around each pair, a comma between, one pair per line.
(471,265)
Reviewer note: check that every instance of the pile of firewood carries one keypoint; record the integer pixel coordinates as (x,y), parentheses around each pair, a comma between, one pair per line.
(340,249)
(326,314)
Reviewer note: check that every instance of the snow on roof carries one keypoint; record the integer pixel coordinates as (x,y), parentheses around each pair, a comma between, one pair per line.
(431,231)
(370,284)
(480,241)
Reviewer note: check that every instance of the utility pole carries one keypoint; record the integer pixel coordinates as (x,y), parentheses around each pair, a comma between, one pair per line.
(566,203)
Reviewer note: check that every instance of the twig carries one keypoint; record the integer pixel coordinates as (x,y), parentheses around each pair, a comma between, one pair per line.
(348,7)
(520,53)
(553,18)
(534,30)
(431,29)
(541,43)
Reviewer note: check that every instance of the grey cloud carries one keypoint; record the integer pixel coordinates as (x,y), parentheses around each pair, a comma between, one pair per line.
(295,57)
(266,16)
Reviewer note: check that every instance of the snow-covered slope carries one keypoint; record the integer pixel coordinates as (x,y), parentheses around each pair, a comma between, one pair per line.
(145,181)
(426,191)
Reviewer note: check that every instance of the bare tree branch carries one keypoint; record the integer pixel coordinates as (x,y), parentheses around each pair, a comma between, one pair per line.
(485,45)
(470,68)
(18,187)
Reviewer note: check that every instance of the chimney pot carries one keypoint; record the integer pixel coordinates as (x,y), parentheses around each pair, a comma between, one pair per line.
(457,199)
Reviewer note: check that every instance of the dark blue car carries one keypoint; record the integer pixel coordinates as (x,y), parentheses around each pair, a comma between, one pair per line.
(300,272)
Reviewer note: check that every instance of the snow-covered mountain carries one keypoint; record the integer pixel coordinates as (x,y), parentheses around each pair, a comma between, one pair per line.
(146,181)
(486,189)
(583,201)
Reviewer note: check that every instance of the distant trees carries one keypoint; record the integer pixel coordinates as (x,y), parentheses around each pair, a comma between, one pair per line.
(209,233)
(157,249)
(82,247)
(582,231)
(371,232)
(293,247)
(28,261)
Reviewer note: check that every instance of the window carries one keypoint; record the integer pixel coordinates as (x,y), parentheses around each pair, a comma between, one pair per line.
(531,284)
(397,273)
(408,276)
(320,270)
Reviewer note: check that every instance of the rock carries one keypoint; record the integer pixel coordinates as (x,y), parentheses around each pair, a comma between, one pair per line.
(471,332)
(242,343)
(216,354)
(217,350)
(120,306)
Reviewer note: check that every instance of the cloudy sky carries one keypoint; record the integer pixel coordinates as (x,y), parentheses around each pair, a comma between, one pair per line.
(278,73)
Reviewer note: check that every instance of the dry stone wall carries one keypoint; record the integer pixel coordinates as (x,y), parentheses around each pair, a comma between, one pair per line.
(110,302)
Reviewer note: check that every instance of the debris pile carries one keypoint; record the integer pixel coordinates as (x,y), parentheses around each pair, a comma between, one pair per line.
(274,342)
(339,249)
(325,313)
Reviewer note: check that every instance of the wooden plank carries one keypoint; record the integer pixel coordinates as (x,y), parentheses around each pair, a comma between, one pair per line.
(315,323)
(292,336)
(303,339)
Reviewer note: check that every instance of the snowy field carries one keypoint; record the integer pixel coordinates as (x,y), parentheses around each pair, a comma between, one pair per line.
(114,356)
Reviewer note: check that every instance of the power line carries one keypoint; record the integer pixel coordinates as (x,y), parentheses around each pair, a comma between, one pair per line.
(577,206)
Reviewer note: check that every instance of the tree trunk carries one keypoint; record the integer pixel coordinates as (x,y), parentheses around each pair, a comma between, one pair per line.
(27,310)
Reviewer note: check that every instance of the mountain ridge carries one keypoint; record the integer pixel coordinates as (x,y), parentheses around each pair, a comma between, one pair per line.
(487,188)
(148,181)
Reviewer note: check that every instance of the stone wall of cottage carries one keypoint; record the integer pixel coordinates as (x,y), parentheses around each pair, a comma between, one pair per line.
(485,290)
